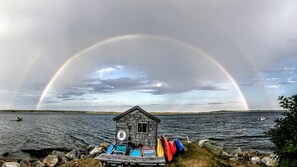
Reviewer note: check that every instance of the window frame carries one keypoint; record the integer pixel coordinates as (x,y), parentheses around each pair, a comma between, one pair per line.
(142,123)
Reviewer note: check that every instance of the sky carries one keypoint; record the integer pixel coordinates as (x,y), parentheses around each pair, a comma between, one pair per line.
(161,55)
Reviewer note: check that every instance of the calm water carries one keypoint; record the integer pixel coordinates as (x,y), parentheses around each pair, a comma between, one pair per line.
(52,130)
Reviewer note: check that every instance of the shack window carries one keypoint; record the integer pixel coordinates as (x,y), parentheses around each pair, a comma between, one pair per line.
(142,127)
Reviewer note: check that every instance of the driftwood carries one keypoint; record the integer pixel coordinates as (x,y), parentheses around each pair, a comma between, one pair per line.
(129,160)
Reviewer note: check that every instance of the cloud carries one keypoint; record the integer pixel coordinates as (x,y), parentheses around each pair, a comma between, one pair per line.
(242,36)
(273,86)
(292,81)
(141,84)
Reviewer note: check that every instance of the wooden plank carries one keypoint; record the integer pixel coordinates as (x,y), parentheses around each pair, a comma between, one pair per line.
(131,160)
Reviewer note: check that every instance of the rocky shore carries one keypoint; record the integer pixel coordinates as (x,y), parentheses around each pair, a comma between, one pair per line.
(55,158)
(252,156)
(85,156)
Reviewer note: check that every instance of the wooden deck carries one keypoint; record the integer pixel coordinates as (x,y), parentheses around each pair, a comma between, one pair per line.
(125,160)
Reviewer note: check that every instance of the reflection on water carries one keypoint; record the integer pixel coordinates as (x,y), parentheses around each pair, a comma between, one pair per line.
(52,130)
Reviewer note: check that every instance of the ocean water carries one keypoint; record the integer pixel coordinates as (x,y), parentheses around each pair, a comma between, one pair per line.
(54,130)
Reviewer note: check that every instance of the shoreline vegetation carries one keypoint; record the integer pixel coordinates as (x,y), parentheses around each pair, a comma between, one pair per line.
(118,112)
(201,153)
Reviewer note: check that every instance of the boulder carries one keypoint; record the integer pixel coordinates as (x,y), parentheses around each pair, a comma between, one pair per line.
(236,152)
(90,147)
(83,151)
(104,145)
(255,160)
(74,154)
(200,143)
(25,163)
(96,151)
(11,164)
(37,164)
(217,150)
(50,160)
(270,160)
(58,154)
(64,160)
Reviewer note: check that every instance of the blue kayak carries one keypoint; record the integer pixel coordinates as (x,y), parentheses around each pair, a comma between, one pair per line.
(110,149)
(135,153)
(120,149)
(179,145)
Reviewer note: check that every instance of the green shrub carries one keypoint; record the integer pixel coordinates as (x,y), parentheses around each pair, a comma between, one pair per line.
(284,133)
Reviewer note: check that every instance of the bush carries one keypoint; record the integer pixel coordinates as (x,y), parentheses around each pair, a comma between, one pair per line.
(284,133)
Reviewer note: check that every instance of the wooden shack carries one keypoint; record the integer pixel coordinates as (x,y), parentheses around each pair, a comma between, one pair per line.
(137,126)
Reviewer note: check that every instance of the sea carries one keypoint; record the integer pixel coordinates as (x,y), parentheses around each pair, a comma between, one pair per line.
(73,130)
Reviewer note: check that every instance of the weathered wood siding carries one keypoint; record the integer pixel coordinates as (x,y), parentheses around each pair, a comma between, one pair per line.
(129,124)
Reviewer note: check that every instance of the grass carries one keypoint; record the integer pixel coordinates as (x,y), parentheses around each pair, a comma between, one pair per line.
(88,162)
(195,156)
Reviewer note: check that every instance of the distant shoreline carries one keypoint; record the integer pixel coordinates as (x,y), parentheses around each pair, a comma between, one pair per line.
(118,112)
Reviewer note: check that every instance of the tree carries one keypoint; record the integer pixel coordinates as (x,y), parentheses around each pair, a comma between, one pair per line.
(284,133)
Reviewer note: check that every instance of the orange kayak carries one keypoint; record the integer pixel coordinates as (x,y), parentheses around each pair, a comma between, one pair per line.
(172,147)
(167,150)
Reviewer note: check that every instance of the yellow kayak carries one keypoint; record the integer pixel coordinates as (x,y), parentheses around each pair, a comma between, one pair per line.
(159,148)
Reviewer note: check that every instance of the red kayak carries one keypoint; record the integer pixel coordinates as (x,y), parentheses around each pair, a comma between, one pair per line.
(172,147)
(167,150)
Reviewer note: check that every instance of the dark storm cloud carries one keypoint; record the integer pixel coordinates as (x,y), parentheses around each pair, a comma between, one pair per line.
(143,85)
(140,84)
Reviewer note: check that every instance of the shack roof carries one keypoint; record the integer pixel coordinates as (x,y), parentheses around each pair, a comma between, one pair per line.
(139,109)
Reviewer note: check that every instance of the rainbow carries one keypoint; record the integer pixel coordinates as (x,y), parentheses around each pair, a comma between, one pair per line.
(27,70)
(131,37)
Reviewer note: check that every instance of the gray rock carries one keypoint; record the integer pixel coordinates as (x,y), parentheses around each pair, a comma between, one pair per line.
(83,151)
(255,160)
(58,154)
(201,142)
(64,160)
(37,164)
(11,164)
(74,154)
(25,163)
(236,152)
(217,150)
(50,160)
(90,147)
(96,151)
(270,160)
(104,145)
